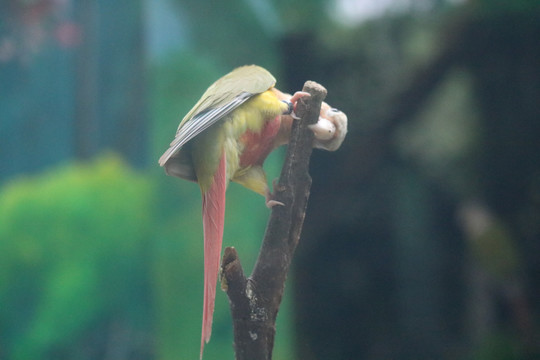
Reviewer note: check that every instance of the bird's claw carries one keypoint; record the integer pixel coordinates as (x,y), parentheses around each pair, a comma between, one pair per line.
(293,101)
(270,203)
(297,95)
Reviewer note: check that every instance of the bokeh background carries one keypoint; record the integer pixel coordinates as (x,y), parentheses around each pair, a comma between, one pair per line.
(422,237)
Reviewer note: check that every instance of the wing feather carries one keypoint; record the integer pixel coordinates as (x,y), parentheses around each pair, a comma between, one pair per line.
(219,100)
(200,122)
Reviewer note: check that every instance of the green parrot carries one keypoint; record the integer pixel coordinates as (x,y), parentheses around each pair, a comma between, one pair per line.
(226,137)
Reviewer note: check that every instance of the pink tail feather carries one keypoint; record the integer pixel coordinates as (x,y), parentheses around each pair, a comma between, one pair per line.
(213,209)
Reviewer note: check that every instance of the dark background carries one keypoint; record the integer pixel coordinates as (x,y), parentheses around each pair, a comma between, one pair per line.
(422,237)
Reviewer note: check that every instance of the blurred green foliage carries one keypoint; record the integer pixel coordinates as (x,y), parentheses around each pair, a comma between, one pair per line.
(72,254)
(88,246)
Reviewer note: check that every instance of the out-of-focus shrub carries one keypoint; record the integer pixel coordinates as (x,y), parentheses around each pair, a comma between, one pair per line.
(71,244)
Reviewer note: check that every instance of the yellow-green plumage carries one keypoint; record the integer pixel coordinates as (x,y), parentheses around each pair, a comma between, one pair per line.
(252,79)
(224,137)
(199,159)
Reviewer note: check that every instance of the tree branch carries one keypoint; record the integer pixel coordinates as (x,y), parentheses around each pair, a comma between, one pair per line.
(255,301)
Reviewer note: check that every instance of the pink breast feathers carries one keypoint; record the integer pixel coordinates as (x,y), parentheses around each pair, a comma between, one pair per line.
(257,146)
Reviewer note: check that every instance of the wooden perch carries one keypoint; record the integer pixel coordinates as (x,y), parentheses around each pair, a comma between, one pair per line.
(254,301)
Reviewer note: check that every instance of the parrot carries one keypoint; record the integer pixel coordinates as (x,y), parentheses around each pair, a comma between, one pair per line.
(226,137)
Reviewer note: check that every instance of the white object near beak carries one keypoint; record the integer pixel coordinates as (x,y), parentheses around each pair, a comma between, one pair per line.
(324,129)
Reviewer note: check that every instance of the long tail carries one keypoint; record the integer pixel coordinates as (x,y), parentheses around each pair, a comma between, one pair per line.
(213,208)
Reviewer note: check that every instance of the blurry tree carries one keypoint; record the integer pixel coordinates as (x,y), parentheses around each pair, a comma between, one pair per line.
(434,121)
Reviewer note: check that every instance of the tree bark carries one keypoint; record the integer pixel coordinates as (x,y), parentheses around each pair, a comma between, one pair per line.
(255,300)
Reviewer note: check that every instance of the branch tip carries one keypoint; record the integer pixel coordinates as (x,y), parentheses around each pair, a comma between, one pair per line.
(229,255)
(231,269)
(316,90)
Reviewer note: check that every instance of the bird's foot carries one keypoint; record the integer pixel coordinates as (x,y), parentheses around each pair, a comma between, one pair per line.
(331,128)
(270,202)
(293,101)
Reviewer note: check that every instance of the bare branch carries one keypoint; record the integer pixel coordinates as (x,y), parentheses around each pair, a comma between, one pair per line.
(255,301)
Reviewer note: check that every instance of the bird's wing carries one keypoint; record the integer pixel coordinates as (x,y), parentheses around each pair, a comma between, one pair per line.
(219,100)
(200,122)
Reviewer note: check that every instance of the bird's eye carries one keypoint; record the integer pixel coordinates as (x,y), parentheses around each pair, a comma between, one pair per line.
(334,110)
